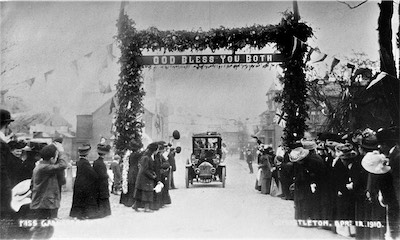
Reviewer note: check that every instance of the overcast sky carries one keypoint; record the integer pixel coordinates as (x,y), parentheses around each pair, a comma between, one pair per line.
(49,35)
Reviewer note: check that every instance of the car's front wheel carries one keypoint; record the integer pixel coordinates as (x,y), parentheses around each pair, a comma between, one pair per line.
(223,177)
(187,177)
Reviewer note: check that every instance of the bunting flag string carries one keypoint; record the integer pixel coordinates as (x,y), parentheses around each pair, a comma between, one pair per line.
(30,82)
(88,55)
(110,51)
(47,75)
(297,44)
(334,63)
(381,76)
(318,56)
(112,105)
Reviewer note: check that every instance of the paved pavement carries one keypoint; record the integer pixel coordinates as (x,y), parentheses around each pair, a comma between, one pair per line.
(204,210)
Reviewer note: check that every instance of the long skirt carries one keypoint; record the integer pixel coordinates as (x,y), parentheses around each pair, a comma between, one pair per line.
(157,202)
(265,185)
(143,196)
(128,198)
(104,208)
(83,212)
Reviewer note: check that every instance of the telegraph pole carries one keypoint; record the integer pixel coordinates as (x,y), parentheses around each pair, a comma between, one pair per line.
(296,11)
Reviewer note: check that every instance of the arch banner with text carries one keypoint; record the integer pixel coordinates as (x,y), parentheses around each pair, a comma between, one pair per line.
(132,42)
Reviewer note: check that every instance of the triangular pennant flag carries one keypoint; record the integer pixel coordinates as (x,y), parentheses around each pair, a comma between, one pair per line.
(380,76)
(112,105)
(75,67)
(335,62)
(308,58)
(110,51)
(47,74)
(88,55)
(351,66)
(30,82)
(318,56)
(296,45)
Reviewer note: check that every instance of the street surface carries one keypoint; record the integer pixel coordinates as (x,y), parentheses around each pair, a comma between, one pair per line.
(202,211)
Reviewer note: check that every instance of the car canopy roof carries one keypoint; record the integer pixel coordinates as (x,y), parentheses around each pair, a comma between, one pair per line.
(206,135)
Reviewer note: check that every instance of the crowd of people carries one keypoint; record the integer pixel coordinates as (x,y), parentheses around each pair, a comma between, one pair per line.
(346,183)
(32,177)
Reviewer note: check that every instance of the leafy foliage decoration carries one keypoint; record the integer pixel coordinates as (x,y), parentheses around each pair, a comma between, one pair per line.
(131,42)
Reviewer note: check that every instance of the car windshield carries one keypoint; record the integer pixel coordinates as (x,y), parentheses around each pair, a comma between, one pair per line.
(210,143)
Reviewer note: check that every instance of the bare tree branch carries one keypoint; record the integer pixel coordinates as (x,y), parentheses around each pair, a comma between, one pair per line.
(356,6)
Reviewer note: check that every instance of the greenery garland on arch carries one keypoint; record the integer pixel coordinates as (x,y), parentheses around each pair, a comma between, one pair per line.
(130,91)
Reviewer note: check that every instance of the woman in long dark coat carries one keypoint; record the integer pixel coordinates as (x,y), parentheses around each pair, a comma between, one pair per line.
(84,199)
(266,167)
(128,198)
(145,182)
(103,192)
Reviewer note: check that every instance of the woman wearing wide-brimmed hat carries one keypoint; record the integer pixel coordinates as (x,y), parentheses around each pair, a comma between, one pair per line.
(389,139)
(302,181)
(382,193)
(344,202)
(365,184)
(266,163)
(146,178)
(84,198)
(103,191)
(129,173)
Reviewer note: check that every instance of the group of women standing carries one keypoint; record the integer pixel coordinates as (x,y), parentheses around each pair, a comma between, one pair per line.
(147,176)
(91,191)
(350,181)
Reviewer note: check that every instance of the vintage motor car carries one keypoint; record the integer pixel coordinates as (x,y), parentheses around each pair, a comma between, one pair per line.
(205,163)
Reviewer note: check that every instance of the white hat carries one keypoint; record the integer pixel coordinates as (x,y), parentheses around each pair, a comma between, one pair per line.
(308,144)
(298,154)
(376,163)
(21,195)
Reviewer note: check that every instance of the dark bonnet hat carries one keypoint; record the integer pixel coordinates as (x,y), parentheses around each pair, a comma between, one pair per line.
(369,142)
(84,149)
(348,151)
(133,144)
(176,135)
(17,144)
(178,149)
(48,152)
(295,145)
(103,148)
(152,146)
(5,116)
(388,134)
(162,144)
(329,136)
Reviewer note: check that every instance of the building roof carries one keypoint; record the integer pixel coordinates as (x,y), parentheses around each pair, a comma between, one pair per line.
(92,101)
(56,120)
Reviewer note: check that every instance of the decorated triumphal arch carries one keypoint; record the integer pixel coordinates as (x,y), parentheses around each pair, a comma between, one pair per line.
(289,36)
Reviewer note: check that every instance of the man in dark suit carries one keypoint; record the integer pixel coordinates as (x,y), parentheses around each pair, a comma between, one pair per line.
(6,213)
(172,162)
